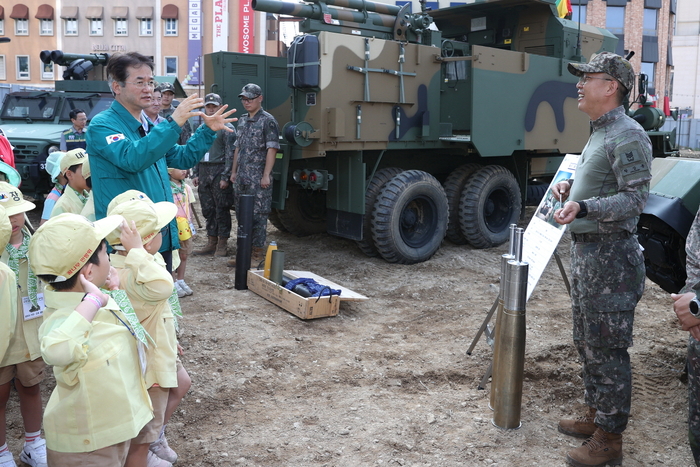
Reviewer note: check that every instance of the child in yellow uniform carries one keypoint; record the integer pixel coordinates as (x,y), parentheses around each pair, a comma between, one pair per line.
(149,287)
(76,192)
(94,344)
(21,360)
(8,317)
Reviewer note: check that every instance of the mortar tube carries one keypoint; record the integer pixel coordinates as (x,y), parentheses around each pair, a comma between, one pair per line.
(499,312)
(509,393)
(244,241)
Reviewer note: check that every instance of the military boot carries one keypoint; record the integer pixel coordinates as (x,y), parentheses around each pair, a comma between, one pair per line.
(599,450)
(258,257)
(581,427)
(209,248)
(221,247)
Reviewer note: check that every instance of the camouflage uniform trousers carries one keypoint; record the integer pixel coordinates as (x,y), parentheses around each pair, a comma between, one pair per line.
(216,203)
(694,397)
(607,283)
(261,210)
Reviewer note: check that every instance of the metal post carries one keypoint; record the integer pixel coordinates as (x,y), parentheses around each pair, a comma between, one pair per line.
(508,375)
(499,311)
(244,242)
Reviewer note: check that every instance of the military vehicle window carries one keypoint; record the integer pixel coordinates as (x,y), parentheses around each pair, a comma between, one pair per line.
(40,107)
(91,105)
(456,71)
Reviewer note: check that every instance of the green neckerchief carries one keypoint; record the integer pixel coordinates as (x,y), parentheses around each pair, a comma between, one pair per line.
(127,308)
(175,307)
(178,188)
(83,197)
(17,254)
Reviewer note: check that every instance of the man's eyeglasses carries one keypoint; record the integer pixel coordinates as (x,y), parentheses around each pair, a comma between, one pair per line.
(246,101)
(143,84)
(585,79)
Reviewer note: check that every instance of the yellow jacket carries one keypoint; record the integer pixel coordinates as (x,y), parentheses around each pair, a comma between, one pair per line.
(8,307)
(100,397)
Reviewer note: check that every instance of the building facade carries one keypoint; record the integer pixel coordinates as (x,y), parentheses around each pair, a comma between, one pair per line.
(686,49)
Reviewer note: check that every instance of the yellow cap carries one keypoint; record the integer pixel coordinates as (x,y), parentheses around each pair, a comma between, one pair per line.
(150,217)
(5,229)
(128,195)
(63,245)
(11,199)
(73,157)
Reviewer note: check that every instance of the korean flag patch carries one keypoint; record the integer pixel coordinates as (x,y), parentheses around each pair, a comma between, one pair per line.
(114,138)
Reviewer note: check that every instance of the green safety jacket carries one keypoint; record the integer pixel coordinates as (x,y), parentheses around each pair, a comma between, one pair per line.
(123,157)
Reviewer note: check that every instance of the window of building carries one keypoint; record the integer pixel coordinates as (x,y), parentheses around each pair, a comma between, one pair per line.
(96,27)
(2,27)
(578,13)
(3,72)
(22,27)
(22,67)
(650,21)
(170,66)
(121,27)
(70,27)
(171,27)
(145,27)
(46,27)
(47,71)
(615,19)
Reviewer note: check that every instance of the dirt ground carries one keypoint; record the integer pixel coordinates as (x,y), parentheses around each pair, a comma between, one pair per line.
(388,381)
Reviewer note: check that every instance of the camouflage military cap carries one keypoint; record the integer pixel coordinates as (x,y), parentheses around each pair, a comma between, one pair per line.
(250,91)
(166,87)
(212,98)
(607,62)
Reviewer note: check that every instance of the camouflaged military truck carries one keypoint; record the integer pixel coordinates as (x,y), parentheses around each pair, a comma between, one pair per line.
(404,128)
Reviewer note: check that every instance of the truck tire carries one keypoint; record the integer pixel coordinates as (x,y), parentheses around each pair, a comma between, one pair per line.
(274,219)
(305,212)
(490,203)
(454,185)
(535,193)
(409,219)
(381,177)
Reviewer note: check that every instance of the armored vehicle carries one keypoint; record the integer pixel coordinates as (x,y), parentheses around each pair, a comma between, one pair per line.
(402,128)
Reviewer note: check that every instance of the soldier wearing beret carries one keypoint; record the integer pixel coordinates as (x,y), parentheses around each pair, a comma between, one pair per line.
(610,191)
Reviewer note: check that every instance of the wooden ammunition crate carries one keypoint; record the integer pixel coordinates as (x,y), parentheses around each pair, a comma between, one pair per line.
(304,308)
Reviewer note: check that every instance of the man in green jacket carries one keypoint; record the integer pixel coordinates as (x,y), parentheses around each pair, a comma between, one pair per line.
(124,155)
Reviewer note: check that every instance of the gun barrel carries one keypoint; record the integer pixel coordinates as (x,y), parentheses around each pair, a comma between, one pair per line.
(315,12)
(64,59)
(369,6)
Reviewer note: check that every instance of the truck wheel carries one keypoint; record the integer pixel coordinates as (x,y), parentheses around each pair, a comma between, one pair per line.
(409,219)
(490,203)
(381,177)
(454,185)
(305,212)
(535,193)
(274,219)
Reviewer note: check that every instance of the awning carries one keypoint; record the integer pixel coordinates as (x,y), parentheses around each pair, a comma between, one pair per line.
(94,12)
(144,12)
(20,11)
(2,12)
(69,12)
(44,12)
(170,11)
(120,12)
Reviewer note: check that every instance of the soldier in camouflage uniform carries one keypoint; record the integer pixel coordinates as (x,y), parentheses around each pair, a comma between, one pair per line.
(690,320)
(257,142)
(167,91)
(607,266)
(211,176)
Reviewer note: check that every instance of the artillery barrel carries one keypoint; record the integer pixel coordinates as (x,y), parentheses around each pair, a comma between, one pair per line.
(65,59)
(315,12)
(369,6)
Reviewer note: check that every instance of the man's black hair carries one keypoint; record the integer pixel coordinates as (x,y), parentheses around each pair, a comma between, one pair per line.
(74,113)
(71,281)
(117,65)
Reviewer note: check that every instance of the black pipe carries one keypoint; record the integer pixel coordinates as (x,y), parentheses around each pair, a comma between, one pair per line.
(244,242)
